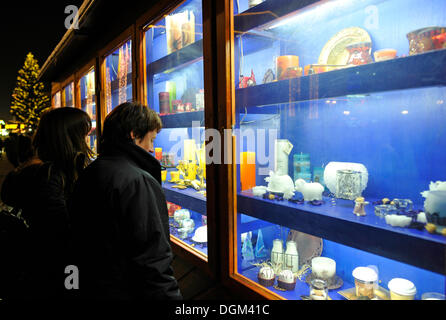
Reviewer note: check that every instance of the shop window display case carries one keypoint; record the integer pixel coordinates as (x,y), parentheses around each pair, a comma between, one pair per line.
(341,148)
(88,103)
(172,49)
(117,78)
(68,95)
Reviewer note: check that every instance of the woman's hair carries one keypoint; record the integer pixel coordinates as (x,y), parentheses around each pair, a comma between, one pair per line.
(60,139)
(126,118)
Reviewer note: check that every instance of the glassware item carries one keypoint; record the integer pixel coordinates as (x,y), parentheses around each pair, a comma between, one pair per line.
(172,89)
(163,175)
(318,289)
(253,3)
(260,250)
(248,170)
(318,175)
(383,210)
(199,100)
(277,252)
(301,164)
(359,208)
(365,281)
(247,250)
(291,258)
(433,296)
(175,104)
(348,184)
(403,204)
(282,149)
(164,102)
(286,67)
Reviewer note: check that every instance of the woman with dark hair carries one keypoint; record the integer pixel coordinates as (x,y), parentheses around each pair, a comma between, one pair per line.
(40,189)
(122,237)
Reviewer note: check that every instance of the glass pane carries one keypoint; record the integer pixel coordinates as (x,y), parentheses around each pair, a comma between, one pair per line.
(88,104)
(175,89)
(340,109)
(68,95)
(118,76)
(56,100)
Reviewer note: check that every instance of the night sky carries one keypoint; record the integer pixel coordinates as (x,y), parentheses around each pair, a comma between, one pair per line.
(28,26)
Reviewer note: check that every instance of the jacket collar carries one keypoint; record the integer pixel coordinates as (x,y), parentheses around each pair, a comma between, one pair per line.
(140,157)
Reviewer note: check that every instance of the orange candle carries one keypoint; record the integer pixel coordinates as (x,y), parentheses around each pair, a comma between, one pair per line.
(248,170)
(159,154)
(287,67)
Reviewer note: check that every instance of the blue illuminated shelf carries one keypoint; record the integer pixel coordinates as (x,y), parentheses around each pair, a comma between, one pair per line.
(339,224)
(182,120)
(188,198)
(186,55)
(417,71)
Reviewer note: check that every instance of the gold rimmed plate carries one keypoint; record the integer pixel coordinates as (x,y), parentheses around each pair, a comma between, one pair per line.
(335,50)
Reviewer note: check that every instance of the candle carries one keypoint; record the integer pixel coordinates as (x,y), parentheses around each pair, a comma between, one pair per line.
(323,268)
(248,170)
(189,149)
(159,154)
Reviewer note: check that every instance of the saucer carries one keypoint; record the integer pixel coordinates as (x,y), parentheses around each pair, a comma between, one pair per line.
(334,282)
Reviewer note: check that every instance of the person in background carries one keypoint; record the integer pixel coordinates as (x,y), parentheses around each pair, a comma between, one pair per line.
(40,189)
(119,214)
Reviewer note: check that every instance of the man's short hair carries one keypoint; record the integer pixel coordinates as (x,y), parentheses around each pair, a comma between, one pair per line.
(126,118)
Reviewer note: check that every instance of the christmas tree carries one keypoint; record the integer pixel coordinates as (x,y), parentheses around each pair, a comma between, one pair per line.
(29,99)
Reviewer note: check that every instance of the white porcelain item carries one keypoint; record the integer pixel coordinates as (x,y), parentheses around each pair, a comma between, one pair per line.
(279,183)
(310,190)
(401,289)
(277,252)
(323,267)
(258,191)
(201,234)
(332,167)
(282,149)
(291,258)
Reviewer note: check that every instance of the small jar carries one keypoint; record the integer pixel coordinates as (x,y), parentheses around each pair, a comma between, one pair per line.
(318,290)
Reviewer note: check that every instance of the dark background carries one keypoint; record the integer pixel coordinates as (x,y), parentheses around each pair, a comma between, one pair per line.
(28,26)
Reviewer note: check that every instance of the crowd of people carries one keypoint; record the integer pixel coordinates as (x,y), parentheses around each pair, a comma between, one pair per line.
(105,215)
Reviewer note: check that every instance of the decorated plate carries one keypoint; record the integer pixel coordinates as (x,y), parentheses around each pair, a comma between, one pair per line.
(308,246)
(334,51)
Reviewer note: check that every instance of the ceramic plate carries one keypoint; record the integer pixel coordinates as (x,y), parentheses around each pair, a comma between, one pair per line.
(335,53)
(308,246)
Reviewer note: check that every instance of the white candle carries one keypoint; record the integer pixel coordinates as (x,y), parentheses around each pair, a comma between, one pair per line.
(323,267)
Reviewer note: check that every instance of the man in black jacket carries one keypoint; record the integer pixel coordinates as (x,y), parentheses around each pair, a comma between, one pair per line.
(118,212)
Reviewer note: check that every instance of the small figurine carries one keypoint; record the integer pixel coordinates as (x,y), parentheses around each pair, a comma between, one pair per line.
(359,206)
(247,81)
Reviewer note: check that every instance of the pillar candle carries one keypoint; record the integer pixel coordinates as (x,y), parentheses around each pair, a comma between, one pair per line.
(248,170)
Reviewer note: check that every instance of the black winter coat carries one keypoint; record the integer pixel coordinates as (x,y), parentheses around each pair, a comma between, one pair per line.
(38,190)
(120,228)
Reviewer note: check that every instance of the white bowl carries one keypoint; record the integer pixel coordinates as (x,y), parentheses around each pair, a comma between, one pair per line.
(201,234)
(401,289)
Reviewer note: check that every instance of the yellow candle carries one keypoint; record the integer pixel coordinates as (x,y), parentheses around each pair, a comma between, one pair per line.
(189,149)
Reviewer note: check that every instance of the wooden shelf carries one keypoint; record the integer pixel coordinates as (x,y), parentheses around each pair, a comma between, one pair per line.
(339,224)
(417,71)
